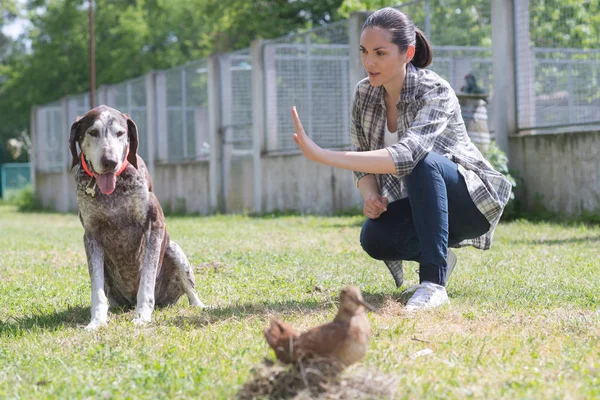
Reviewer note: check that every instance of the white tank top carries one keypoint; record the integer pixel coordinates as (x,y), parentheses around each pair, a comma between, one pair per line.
(389,138)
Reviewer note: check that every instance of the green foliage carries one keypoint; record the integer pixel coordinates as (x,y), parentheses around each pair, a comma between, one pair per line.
(499,161)
(565,23)
(24,199)
(452,22)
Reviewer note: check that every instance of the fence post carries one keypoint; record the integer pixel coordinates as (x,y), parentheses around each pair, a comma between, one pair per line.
(162,133)
(151,133)
(357,72)
(34,146)
(309,103)
(503,59)
(258,118)
(214,120)
(226,105)
(525,70)
(66,125)
(270,76)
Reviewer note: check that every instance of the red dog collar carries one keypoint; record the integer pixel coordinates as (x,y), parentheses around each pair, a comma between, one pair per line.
(87,169)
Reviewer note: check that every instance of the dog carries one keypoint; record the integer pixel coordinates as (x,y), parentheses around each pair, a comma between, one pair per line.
(131,259)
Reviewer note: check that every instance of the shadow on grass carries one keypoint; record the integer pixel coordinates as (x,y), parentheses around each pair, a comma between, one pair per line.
(71,317)
(79,316)
(279,309)
(552,242)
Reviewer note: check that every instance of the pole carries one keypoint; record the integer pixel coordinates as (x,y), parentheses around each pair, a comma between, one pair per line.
(92,57)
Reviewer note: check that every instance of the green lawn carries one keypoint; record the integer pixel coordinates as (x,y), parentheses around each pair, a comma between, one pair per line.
(524,319)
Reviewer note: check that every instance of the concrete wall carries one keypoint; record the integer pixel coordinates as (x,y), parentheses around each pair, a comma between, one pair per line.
(48,190)
(56,191)
(293,183)
(182,187)
(290,182)
(561,170)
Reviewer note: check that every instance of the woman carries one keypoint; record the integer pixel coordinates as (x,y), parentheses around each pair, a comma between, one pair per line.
(426,186)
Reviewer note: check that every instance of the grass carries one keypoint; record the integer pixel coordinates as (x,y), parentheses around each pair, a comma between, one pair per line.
(523,321)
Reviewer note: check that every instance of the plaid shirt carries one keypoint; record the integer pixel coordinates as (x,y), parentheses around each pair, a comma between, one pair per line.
(429,119)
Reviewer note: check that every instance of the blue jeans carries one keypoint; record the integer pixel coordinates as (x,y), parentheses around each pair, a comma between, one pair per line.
(438,213)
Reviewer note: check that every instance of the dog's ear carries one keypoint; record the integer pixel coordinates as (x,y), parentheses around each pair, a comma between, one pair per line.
(132,133)
(73,139)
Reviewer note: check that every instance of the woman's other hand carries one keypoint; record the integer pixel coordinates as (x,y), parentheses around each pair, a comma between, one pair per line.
(308,147)
(375,205)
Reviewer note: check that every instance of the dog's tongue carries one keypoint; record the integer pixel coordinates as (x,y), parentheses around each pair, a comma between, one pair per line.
(107,182)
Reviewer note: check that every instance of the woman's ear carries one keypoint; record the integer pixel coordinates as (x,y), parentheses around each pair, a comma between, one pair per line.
(410,53)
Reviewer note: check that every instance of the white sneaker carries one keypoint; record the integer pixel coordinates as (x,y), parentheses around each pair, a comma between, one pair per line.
(427,295)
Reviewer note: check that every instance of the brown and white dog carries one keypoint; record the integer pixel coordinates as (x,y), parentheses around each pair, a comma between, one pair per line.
(131,259)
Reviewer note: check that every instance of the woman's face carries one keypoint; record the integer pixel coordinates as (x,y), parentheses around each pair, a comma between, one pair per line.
(381,58)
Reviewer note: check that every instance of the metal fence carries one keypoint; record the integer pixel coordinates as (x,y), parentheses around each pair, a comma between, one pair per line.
(556,85)
(186,104)
(50,138)
(238,65)
(309,71)
(557,63)
(130,97)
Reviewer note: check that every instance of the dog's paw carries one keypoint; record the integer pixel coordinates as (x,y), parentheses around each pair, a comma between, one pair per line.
(95,324)
(198,304)
(141,319)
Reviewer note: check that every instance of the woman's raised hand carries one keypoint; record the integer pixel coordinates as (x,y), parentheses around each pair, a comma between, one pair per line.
(308,147)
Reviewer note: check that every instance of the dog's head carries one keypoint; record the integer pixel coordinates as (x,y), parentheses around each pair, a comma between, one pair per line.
(104,135)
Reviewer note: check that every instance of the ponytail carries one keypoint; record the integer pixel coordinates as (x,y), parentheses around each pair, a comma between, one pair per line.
(423,52)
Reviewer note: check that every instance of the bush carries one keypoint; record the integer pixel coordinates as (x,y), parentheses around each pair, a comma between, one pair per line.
(25,200)
(499,161)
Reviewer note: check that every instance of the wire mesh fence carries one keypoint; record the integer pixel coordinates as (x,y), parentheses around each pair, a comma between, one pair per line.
(557,52)
(239,66)
(309,71)
(558,63)
(130,97)
(187,110)
(50,137)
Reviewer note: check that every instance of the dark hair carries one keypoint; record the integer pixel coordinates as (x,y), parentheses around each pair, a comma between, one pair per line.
(404,33)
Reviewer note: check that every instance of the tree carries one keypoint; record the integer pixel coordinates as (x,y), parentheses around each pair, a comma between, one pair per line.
(452,22)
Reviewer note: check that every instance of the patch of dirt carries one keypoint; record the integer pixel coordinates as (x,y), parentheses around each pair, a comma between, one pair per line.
(316,379)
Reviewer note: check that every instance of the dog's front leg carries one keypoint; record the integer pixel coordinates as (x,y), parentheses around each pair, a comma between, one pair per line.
(145,294)
(95,257)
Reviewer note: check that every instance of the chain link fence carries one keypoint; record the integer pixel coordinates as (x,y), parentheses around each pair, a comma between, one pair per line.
(309,71)
(50,137)
(130,97)
(558,63)
(187,110)
(239,67)
(558,79)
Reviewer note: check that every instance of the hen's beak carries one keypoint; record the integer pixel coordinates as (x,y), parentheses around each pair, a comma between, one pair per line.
(367,306)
